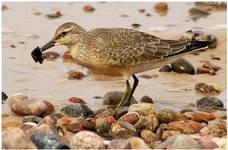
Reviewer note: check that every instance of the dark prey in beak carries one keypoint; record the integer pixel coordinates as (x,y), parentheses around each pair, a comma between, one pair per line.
(37,52)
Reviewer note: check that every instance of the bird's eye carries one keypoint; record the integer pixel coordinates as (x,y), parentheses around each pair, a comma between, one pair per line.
(63,33)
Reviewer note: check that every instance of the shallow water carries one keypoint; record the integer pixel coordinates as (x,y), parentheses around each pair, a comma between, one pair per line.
(49,80)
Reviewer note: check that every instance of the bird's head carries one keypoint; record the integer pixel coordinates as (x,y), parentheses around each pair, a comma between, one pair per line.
(67,34)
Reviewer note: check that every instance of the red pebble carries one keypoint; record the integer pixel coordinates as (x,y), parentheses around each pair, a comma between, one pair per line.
(76,100)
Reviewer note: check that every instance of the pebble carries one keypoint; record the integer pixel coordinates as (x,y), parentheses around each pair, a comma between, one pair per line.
(211,66)
(211,102)
(148,76)
(148,14)
(183,66)
(131,117)
(122,130)
(27,126)
(20,104)
(119,144)
(31,118)
(50,108)
(179,141)
(43,141)
(4,7)
(217,127)
(146,99)
(166,68)
(12,136)
(36,12)
(220,114)
(196,13)
(148,136)
(102,126)
(207,88)
(207,143)
(74,126)
(12,46)
(55,15)
(67,57)
(142,10)
(86,140)
(114,97)
(161,8)
(76,100)
(87,123)
(51,56)
(11,121)
(137,143)
(5,114)
(149,122)
(144,109)
(45,126)
(88,9)
(199,116)
(166,115)
(196,126)
(77,110)
(4,97)
(135,25)
(202,70)
(181,126)
(74,74)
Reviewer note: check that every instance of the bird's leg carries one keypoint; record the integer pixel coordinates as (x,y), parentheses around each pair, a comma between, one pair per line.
(135,84)
(127,93)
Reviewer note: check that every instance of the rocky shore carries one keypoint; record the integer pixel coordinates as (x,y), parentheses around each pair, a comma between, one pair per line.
(37,124)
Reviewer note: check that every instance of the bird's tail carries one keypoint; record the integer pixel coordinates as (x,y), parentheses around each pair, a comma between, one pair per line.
(193,46)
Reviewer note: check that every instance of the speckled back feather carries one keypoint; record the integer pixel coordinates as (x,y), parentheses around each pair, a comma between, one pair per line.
(127,47)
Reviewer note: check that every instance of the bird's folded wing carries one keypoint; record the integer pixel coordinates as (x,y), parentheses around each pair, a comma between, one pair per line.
(127,47)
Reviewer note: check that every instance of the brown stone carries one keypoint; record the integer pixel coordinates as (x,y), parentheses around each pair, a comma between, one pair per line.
(130,117)
(76,100)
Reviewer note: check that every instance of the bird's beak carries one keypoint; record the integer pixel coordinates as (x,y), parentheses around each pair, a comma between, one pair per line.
(48,45)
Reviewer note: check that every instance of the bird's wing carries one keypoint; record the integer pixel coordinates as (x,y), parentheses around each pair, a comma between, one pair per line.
(128,47)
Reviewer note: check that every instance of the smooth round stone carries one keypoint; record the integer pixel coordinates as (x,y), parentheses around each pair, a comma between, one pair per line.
(122,130)
(4,97)
(77,110)
(179,141)
(183,66)
(119,144)
(20,104)
(166,115)
(114,97)
(142,108)
(166,68)
(43,141)
(146,99)
(102,126)
(131,117)
(74,126)
(31,118)
(15,138)
(148,136)
(86,140)
(138,143)
(211,102)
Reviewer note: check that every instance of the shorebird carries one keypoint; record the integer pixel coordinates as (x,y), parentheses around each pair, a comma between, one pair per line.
(119,51)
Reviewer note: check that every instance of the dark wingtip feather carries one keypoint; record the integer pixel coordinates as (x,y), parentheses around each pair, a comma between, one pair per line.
(193,46)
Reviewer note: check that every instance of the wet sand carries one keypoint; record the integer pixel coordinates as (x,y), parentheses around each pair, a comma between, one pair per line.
(49,80)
